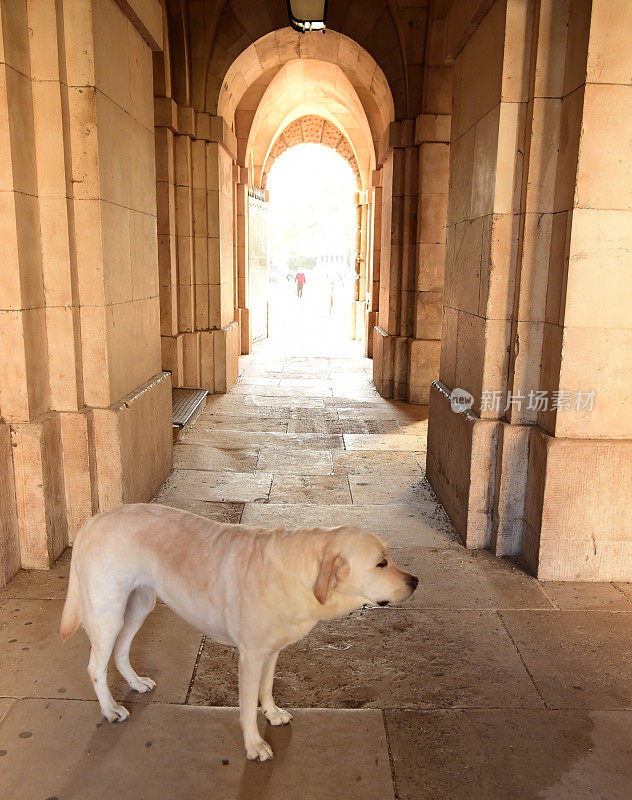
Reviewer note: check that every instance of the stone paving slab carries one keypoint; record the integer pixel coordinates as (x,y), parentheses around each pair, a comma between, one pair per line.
(421,460)
(202,456)
(284,414)
(34,662)
(195,484)
(387,658)
(289,382)
(390,488)
(167,752)
(292,401)
(262,405)
(625,588)
(310,489)
(456,579)
(230,422)
(283,390)
(418,427)
(5,705)
(384,441)
(588,596)
(342,426)
(511,754)
(240,440)
(219,512)
(577,659)
(302,372)
(39,583)
(400,526)
(263,379)
(375,462)
(293,461)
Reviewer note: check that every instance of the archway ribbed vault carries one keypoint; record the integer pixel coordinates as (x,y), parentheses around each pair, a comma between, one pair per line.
(312,129)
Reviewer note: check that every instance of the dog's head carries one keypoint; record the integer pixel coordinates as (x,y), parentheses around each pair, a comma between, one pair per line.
(357,567)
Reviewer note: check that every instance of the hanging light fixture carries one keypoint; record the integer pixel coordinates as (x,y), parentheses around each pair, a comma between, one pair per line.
(307,15)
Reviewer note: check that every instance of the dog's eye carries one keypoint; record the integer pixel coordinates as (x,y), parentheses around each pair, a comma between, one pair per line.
(382,563)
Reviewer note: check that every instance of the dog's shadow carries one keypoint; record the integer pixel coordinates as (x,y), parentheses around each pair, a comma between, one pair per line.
(256,776)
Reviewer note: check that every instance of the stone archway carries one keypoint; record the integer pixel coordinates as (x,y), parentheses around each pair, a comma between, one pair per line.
(343,87)
(311,129)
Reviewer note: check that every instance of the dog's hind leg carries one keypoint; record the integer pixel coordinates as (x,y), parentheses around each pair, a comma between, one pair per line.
(102,628)
(274,714)
(139,604)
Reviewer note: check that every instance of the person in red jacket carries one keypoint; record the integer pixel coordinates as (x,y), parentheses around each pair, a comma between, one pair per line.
(300,282)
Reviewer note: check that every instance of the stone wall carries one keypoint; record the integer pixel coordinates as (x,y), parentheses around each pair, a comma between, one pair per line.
(534,298)
(79,305)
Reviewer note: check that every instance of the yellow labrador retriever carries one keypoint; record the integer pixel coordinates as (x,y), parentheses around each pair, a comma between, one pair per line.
(258,590)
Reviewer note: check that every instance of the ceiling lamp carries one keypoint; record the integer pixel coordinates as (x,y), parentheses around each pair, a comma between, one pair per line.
(307,15)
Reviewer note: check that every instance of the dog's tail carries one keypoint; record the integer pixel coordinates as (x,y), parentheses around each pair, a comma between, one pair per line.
(70,615)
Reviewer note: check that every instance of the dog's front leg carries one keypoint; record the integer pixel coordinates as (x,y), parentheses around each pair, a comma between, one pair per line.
(250,667)
(274,714)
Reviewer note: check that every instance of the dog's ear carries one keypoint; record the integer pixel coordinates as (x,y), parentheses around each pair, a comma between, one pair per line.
(333,569)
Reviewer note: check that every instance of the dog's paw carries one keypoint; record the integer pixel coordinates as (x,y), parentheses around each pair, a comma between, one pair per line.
(116,713)
(143,685)
(277,716)
(259,751)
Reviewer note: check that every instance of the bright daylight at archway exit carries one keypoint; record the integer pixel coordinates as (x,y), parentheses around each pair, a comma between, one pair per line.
(311,255)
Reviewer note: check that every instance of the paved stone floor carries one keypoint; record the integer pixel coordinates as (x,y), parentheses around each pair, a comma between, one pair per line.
(487,684)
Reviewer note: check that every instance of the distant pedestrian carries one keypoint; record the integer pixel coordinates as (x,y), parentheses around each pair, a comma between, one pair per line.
(300,282)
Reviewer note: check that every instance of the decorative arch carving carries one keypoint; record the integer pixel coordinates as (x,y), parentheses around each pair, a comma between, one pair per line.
(312,129)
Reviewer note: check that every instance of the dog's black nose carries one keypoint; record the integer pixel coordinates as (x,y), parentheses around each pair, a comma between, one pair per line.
(382,602)
(413,582)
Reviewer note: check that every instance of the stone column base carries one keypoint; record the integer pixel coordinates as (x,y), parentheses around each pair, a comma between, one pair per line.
(245,331)
(60,469)
(562,505)
(204,359)
(578,515)
(390,362)
(358,308)
(371,322)
(460,466)
(404,368)
(131,450)
(48,467)
(9,531)
(38,477)
(423,368)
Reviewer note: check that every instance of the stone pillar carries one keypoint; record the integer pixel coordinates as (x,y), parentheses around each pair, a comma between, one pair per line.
(82,397)
(578,521)
(200,332)
(415,194)
(486,160)
(414,197)
(391,337)
(358,307)
(241,254)
(432,135)
(524,315)
(373,266)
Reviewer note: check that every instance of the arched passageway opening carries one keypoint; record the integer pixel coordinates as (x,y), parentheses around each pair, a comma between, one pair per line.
(311,291)
(316,98)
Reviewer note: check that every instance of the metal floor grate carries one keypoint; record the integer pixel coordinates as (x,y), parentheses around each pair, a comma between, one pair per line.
(185,402)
